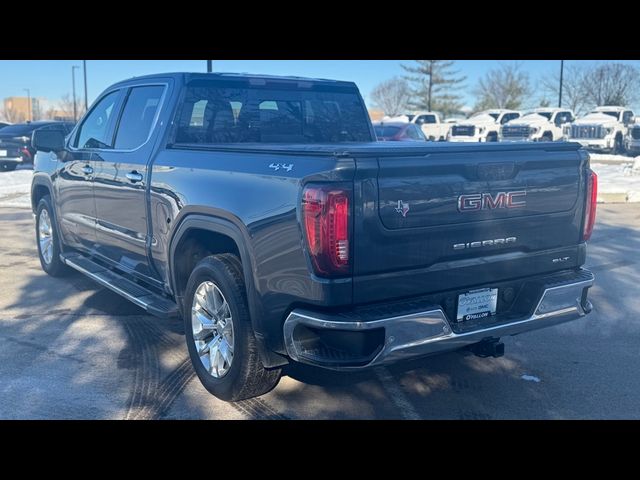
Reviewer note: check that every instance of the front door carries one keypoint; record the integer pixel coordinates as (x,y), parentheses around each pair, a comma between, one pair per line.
(120,183)
(74,185)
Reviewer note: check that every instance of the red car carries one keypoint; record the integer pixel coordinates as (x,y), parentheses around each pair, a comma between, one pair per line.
(398,132)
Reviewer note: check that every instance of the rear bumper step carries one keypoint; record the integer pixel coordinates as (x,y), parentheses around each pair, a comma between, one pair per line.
(153,303)
(393,338)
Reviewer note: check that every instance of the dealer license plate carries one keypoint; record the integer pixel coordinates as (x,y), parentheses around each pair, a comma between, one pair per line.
(477,304)
(3,153)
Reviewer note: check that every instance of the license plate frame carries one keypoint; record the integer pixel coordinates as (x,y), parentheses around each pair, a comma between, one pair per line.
(477,304)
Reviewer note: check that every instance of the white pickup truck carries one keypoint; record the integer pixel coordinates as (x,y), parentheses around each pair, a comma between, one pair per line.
(603,129)
(539,125)
(431,124)
(482,127)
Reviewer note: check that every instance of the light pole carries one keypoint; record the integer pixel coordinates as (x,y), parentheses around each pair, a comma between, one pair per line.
(560,90)
(86,101)
(73,87)
(29,100)
(209,66)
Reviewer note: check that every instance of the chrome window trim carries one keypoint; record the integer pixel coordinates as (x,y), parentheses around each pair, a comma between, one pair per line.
(128,87)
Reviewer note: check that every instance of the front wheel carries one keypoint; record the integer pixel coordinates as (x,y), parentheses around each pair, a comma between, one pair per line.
(48,240)
(618,147)
(220,338)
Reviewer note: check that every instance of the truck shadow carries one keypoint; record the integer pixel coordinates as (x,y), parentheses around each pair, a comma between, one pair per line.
(48,324)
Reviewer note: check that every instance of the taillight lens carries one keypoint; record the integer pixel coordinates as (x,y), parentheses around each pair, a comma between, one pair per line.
(325,212)
(25,153)
(590,210)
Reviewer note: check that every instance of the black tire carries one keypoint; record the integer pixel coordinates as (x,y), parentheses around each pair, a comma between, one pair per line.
(547,137)
(8,166)
(618,147)
(492,137)
(246,377)
(54,267)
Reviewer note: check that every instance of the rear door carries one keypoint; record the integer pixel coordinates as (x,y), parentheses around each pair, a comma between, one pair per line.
(462,216)
(121,180)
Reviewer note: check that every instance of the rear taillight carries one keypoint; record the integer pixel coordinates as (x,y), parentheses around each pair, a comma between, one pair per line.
(325,213)
(25,153)
(590,209)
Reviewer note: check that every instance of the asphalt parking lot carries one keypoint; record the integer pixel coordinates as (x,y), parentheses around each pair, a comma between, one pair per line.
(70,349)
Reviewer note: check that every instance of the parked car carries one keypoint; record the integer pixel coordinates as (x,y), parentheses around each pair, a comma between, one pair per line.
(539,125)
(398,132)
(603,129)
(15,141)
(429,122)
(632,140)
(482,127)
(264,211)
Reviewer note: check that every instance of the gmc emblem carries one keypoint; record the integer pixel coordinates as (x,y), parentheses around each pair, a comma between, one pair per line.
(486,201)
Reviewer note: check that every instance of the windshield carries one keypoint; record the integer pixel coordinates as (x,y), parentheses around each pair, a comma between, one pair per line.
(495,116)
(234,112)
(384,131)
(546,115)
(611,113)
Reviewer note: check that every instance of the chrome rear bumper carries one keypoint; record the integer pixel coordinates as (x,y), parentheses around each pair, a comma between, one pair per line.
(430,331)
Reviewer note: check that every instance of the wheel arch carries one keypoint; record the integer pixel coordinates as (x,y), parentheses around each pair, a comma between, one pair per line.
(40,186)
(223,227)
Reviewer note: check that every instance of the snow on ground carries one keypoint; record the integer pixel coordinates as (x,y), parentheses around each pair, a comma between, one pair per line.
(15,188)
(610,159)
(618,179)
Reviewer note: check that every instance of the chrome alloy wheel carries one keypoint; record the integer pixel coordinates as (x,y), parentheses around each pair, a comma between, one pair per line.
(212,328)
(45,236)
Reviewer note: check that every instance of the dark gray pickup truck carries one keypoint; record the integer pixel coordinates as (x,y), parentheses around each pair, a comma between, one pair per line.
(262,210)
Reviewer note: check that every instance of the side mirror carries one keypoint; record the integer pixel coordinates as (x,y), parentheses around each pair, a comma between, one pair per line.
(47,140)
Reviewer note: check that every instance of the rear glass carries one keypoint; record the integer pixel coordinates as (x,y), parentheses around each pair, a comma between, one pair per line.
(221,112)
(385,131)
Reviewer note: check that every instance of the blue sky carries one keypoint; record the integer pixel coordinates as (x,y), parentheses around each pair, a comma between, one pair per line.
(52,78)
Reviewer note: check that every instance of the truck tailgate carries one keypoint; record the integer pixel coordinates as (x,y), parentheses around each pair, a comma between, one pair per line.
(447,218)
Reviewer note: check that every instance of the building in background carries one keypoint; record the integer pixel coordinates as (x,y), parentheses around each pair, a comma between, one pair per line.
(375,114)
(20,109)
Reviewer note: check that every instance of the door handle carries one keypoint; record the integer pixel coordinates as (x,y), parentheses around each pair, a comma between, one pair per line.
(87,170)
(134,177)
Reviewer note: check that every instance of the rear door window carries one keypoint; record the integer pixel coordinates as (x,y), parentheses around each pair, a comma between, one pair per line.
(137,116)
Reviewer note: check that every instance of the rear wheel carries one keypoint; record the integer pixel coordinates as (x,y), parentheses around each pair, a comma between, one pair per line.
(220,339)
(48,240)
(618,147)
(8,166)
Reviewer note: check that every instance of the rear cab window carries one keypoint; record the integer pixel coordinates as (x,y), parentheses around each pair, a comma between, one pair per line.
(238,112)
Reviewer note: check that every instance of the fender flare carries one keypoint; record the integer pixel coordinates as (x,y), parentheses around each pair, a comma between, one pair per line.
(41,180)
(217,223)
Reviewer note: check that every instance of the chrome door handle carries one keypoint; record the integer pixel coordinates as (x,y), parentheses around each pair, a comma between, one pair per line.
(134,177)
(87,170)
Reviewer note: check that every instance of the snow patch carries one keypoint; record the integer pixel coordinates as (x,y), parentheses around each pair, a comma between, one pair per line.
(618,179)
(15,188)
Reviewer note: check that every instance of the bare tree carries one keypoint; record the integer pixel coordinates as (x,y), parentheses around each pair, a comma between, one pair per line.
(504,87)
(573,94)
(12,115)
(612,84)
(66,106)
(435,86)
(392,96)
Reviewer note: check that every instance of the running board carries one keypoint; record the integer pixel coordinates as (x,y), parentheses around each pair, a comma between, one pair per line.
(153,303)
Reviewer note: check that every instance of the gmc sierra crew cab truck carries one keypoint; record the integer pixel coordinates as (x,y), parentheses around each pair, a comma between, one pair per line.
(262,210)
